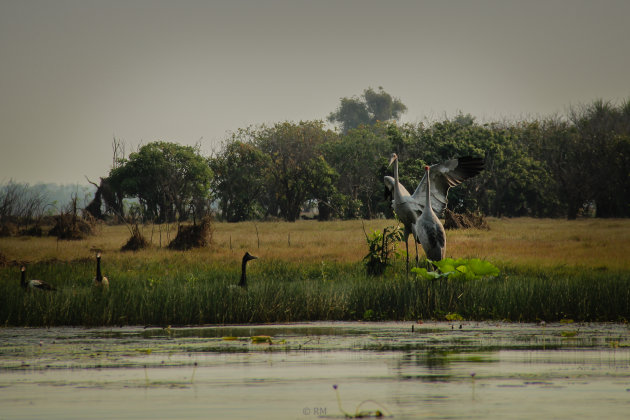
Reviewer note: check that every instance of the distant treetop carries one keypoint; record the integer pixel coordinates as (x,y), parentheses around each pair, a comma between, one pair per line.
(367,109)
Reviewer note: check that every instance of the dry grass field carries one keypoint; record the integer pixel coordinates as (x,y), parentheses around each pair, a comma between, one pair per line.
(591,243)
(549,270)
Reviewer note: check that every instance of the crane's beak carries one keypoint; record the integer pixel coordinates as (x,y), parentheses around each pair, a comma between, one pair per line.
(391,160)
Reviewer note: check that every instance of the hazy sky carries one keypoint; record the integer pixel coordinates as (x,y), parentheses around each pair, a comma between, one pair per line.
(76,73)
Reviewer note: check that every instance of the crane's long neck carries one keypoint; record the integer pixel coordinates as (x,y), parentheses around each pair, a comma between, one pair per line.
(396,182)
(428,202)
(243,282)
(99,275)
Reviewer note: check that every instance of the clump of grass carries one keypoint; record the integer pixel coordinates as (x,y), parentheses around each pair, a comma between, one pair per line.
(7,229)
(137,240)
(193,236)
(70,226)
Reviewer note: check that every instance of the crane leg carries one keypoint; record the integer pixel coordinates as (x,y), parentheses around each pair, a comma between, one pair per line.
(407,247)
(414,241)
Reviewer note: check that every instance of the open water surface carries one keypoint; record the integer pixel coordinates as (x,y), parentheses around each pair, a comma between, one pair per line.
(464,370)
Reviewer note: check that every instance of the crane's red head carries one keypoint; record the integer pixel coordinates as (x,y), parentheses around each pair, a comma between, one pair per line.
(426,168)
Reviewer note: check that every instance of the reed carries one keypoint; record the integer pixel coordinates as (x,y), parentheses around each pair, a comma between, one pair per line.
(319,275)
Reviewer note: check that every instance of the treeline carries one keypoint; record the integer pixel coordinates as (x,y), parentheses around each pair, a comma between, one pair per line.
(563,166)
(551,167)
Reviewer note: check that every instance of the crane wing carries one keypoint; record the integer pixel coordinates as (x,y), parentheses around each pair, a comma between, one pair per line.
(444,176)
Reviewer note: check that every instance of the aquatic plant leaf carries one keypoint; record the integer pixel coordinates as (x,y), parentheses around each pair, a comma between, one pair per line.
(482,268)
(445,265)
(427,275)
(464,271)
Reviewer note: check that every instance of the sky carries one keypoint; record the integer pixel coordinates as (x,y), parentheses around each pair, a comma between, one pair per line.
(75,74)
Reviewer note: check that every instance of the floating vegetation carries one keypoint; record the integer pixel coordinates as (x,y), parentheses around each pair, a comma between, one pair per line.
(362,414)
(454,317)
(261,339)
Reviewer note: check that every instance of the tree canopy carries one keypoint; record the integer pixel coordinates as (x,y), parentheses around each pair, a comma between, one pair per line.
(368,109)
(548,167)
(170,181)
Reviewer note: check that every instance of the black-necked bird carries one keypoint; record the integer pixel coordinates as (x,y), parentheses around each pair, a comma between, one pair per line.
(34,284)
(99,279)
(246,257)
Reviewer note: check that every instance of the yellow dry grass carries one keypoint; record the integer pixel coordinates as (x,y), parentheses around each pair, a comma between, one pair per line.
(521,241)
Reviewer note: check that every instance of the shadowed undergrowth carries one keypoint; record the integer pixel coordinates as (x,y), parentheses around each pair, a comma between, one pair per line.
(176,292)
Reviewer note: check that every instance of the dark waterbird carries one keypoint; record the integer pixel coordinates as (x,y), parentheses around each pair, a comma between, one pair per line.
(34,284)
(246,257)
(99,279)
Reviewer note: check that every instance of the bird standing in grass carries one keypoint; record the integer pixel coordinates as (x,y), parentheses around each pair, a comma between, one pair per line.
(405,207)
(34,284)
(99,279)
(429,229)
(246,257)
(443,176)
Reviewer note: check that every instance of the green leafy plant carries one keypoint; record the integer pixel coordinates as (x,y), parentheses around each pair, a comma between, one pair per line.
(454,316)
(464,268)
(382,248)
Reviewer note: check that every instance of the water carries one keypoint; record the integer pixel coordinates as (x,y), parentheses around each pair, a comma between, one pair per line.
(436,371)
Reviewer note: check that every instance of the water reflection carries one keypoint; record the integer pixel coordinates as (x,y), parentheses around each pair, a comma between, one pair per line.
(483,370)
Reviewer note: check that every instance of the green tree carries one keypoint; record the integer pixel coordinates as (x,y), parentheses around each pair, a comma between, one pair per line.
(440,141)
(169,180)
(238,180)
(513,183)
(557,145)
(296,171)
(368,109)
(359,157)
(602,135)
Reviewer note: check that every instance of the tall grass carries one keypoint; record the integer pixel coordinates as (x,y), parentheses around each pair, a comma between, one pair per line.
(550,270)
(280,291)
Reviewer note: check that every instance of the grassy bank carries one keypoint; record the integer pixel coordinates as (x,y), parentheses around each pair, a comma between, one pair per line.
(550,270)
